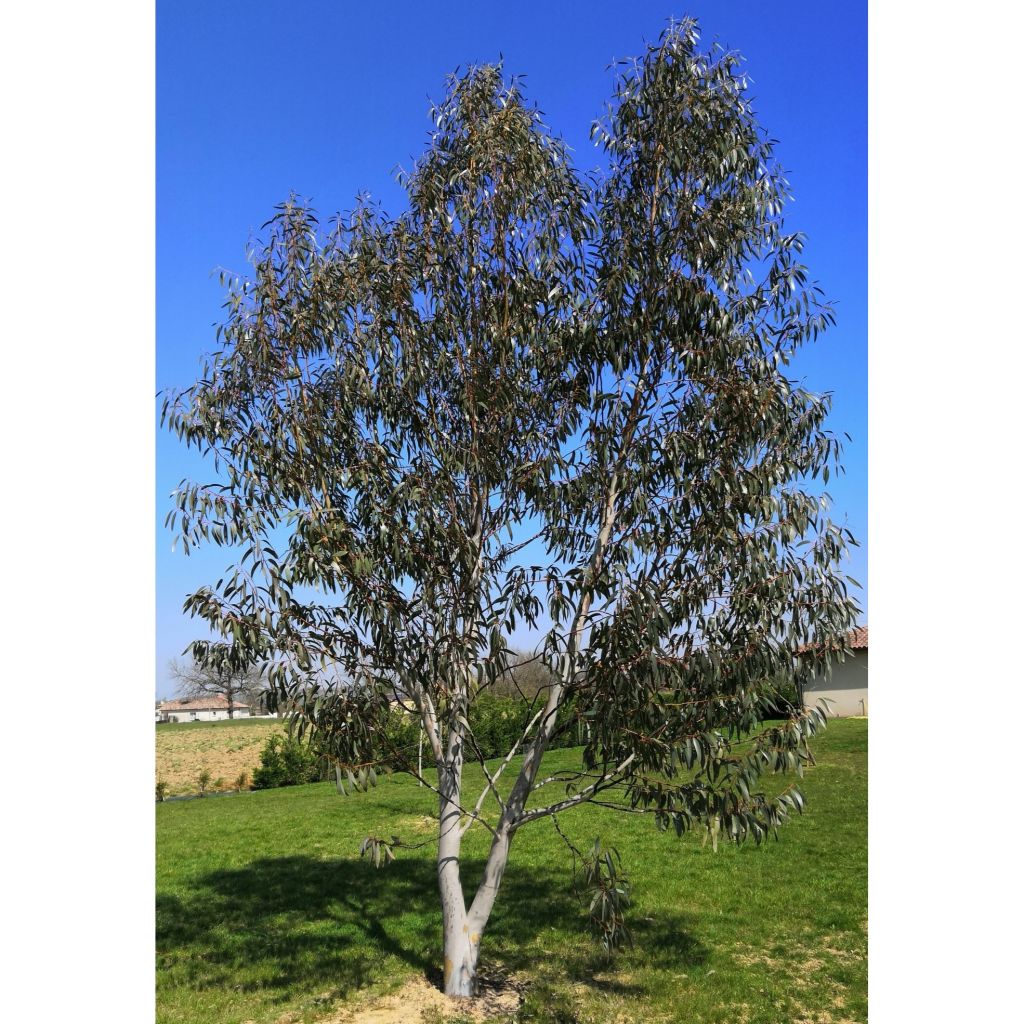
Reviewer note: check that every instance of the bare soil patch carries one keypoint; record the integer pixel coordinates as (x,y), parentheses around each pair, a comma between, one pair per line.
(224,750)
(419,1002)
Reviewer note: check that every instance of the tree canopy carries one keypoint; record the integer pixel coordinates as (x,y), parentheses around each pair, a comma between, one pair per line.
(543,399)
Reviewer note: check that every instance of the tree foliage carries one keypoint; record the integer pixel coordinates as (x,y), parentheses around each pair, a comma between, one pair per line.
(528,358)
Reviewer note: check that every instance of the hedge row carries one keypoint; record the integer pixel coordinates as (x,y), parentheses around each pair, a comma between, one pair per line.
(496,723)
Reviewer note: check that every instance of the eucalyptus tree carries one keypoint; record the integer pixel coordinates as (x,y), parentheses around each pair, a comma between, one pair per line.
(533,359)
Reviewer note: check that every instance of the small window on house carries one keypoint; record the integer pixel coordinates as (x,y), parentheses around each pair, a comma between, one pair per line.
(193,715)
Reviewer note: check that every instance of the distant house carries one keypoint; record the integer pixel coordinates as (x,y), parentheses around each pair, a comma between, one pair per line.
(846,688)
(199,709)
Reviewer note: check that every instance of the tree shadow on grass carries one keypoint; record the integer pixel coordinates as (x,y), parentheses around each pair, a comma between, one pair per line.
(293,925)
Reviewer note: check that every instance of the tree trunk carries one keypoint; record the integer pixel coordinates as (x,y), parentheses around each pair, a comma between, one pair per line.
(463,930)
(460,953)
(460,958)
(461,946)
(487,891)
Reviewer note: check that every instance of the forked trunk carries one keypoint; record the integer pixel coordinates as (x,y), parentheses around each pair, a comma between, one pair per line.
(464,929)
(461,952)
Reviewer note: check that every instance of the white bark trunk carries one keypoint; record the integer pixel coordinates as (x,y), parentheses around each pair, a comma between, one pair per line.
(461,952)
(460,964)
(463,930)
(487,893)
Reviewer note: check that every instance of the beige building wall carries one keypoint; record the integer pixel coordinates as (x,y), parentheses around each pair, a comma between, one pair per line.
(208,715)
(846,688)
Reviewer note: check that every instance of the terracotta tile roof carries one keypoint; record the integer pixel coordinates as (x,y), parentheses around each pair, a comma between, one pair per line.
(859,638)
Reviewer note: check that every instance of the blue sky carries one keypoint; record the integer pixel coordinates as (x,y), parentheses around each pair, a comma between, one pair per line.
(259,98)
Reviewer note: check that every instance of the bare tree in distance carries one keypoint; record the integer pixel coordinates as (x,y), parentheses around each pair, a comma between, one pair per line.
(218,676)
(526,677)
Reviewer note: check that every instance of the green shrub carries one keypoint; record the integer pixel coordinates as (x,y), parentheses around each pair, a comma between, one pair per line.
(285,761)
(784,700)
(242,782)
(161,791)
(402,734)
(497,722)
(204,782)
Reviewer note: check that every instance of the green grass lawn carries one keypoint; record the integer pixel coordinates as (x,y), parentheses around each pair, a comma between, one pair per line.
(265,910)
